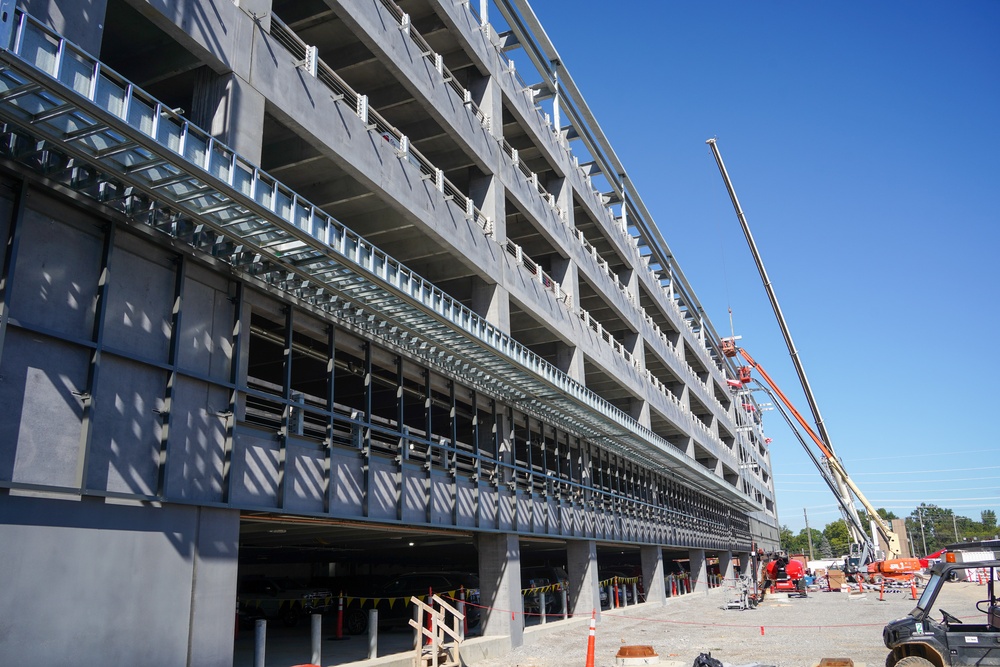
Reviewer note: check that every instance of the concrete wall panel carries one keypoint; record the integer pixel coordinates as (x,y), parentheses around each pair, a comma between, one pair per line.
(213,588)
(125,446)
(505,508)
(57,271)
(382,495)
(466,502)
(414,493)
(206,325)
(129,574)
(42,380)
(255,471)
(348,482)
(6,210)
(140,299)
(197,442)
(82,21)
(441,492)
(304,479)
(488,506)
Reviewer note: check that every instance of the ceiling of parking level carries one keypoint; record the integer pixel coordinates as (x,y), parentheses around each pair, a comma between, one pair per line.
(269,538)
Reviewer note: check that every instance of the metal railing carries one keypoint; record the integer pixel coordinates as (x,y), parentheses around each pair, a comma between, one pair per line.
(299,49)
(343,92)
(88,128)
(507,65)
(375,122)
(403,19)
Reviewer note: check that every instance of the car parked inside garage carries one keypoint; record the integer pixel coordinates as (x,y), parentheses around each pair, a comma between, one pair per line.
(287,600)
(392,598)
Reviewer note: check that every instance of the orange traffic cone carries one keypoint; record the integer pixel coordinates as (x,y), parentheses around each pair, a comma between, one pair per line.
(913,589)
(590,640)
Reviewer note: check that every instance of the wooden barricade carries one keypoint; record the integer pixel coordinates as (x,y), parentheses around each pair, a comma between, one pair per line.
(442,649)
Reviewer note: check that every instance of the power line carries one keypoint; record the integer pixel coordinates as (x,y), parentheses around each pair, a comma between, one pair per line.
(836,508)
(916,481)
(913,456)
(966,488)
(892,472)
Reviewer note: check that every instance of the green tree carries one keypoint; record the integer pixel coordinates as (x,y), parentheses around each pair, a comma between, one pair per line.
(816,535)
(825,550)
(989,519)
(786,538)
(939,527)
(840,540)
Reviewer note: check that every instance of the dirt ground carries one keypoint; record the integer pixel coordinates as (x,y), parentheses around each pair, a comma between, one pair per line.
(781,632)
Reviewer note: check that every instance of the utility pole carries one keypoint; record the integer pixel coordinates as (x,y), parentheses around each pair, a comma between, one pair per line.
(809,535)
(954,525)
(920,515)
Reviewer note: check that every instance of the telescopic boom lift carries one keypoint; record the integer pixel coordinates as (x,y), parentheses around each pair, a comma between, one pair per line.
(863,547)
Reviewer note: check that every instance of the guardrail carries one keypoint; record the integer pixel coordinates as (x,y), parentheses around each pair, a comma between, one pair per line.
(400,142)
(507,65)
(167,174)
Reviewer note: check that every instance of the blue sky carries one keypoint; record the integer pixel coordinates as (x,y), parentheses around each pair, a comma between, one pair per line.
(863,142)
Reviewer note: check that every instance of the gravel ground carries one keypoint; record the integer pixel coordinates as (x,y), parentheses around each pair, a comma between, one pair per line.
(796,632)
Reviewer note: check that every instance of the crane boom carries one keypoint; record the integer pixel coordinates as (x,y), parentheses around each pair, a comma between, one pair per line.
(845,486)
(836,467)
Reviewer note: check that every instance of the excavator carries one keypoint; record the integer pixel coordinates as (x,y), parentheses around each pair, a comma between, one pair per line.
(866,561)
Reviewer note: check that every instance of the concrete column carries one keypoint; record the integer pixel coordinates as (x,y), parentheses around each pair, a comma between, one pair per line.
(652,574)
(486,93)
(744,558)
(213,581)
(639,410)
(726,567)
(231,110)
(699,571)
(489,196)
(688,445)
(486,190)
(635,345)
(500,586)
(563,192)
(581,561)
(630,279)
(567,274)
(259,8)
(492,302)
(80,22)
(505,455)
(569,359)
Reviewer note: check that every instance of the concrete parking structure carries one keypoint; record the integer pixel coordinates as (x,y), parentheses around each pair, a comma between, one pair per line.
(323,290)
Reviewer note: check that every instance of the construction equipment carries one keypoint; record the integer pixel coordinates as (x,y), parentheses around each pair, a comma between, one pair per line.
(744,598)
(864,547)
(865,558)
(919,640)
(783,574)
